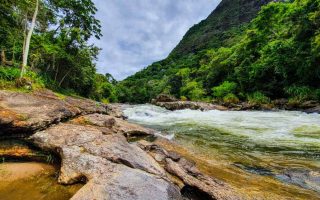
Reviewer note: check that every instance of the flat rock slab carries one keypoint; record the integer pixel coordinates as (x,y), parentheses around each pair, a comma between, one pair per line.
(113,168)
(113,125)
(27,112)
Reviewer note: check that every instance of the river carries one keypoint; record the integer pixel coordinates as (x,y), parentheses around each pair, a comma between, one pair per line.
(264,155)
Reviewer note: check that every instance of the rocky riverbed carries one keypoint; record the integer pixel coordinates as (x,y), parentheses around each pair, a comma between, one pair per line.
(171,103)
(91,139)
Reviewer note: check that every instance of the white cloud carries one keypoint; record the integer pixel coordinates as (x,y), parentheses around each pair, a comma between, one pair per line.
(137,33)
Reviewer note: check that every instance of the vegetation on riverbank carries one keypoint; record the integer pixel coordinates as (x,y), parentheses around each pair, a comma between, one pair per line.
(276,55)
(60,56)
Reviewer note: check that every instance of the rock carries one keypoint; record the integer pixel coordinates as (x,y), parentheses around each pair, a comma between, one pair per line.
(192,177)
(113,168)
(13,150)
(180,105)
(115,110)
(110,125)
(24,83)
(254,169)
(27,112)
(309,104)
(188,173)
(112,147)
(313,110)
(164,98)
(249,106)
(304,178)
(171,103)
(280,102)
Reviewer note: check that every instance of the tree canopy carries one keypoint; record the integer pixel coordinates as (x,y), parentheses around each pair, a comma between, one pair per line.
(59,49)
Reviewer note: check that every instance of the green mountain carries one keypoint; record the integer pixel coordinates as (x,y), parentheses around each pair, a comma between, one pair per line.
(217,29)
(246,50)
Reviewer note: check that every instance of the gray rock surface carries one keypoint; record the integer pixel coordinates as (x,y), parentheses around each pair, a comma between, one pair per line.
(113,168)
(187,172)
(110,124)
(28,112)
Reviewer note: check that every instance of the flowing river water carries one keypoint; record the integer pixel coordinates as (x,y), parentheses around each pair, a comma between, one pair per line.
(263,155)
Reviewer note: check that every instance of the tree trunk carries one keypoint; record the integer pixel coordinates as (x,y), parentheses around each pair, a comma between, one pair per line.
(3,58)
(4,61)
(60,83)
(28,39)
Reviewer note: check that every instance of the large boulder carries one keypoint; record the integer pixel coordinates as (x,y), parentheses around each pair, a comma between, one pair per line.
(24,113)
(164,98)
(112,168)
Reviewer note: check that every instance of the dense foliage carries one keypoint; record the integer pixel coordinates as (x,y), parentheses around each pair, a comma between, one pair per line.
(276,55)
(60,53)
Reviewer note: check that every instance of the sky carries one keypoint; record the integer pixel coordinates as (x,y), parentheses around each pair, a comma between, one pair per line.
(137,33)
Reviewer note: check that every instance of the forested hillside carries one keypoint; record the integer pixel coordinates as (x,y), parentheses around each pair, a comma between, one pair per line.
(44,43)
(220,28)
(239,55)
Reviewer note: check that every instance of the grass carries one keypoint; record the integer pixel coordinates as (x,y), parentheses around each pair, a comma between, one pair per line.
(60,96)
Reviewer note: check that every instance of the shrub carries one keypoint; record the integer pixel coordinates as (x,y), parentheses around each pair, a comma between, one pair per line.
(193,90)
(183,98)
(9,73)
(258,98)
(299,92)
(10,78)
(230,98)
(224,89)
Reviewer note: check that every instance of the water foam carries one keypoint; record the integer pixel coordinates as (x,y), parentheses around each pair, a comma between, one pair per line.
(281,128)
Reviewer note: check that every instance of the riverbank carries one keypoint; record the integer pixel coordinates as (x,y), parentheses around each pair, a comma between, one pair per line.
(92,141)
(172,103)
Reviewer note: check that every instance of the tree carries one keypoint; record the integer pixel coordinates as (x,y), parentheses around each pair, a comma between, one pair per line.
(26,44)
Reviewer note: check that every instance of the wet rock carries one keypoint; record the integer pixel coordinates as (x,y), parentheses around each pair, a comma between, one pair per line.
(280,102)
(304,178)
(115,110)
(164,98)
(254,169)
(113,168)
(313,110)
(309,104)
(21,150)
(189,174)
(186,171)
(180,105)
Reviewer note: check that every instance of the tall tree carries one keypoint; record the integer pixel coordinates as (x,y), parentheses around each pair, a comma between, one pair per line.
(26,45)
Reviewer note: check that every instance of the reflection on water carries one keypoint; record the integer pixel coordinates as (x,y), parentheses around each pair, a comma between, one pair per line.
(22,178)
(281,148)
(31,180)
